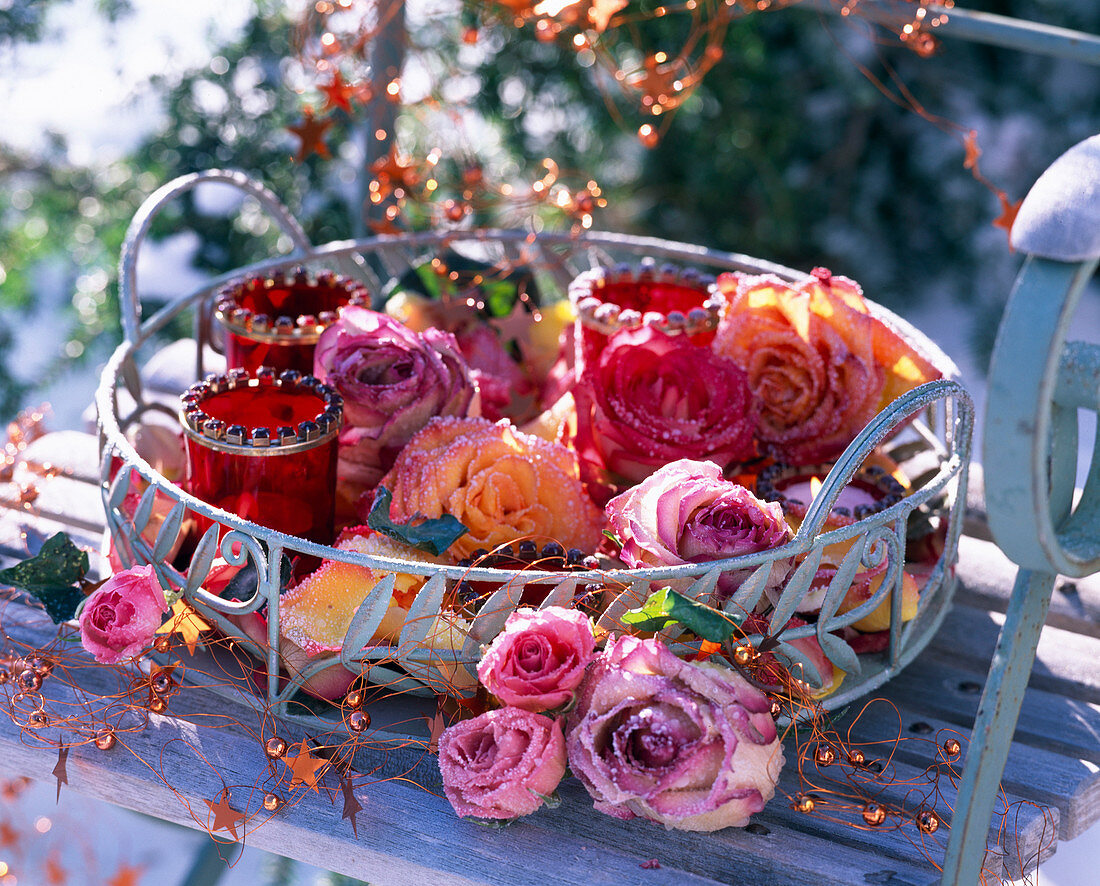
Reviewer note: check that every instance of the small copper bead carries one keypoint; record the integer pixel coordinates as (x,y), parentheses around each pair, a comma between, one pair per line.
(776,709)
(804,804)
(275,747)
(156,704)
(358,721)
(273,802)
(856,757)
(39,719)
(874,814)
(105,739)
(161,683)
(952,747)
(5,675)
(928,821)
(29,681)
(41,666)
(354,699)
(824,755)
(162,644)
(743,654)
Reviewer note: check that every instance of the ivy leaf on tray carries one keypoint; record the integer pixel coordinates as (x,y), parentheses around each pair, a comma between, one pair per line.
(54,576)
(666,606)
(431,535)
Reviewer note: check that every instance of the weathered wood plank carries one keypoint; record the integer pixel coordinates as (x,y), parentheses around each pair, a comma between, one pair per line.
(1067,726)
(985,580)
(1068,784)
(1066,662)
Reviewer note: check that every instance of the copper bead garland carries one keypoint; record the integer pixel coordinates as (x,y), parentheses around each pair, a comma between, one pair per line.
(952,747)
(928,821)
(275,747)
(29,681)
(824,755)
(273,802)
(856,757)
(358,721)
(162,644)
(38,719)
(105,739)
(354,699)
(804,803)
(874,814)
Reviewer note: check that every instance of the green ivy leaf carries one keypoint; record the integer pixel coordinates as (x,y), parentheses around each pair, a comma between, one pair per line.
(431,535)
(666,606)
(53,576)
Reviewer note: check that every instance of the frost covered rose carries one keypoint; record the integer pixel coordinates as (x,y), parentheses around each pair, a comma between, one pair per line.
(500,483)
(687,513)
(392,380)
(652,398)
(539,659)
(501,764)
(818,363)
(122,615)
(692,746)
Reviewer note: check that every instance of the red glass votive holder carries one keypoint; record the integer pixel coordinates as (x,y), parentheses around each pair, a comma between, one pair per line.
(275,321)
(676,301)
(263,447)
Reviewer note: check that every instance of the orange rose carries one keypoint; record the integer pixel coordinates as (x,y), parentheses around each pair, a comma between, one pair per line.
(499,482)
(821,367)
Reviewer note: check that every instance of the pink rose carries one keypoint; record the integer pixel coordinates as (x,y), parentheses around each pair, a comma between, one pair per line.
(652,398)
(121,617)
(687,513)
(501,764)
(539,659)
(392,380)
(692,746)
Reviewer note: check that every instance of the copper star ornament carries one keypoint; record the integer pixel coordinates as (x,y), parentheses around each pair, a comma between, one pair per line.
(225,817)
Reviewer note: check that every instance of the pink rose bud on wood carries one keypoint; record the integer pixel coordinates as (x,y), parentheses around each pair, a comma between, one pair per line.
(121,617)
(692,746)
(502,764)
(538,661)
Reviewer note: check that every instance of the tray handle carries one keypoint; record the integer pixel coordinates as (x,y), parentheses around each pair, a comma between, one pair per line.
(130,303)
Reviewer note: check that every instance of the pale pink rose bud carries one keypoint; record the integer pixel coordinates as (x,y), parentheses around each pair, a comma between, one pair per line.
(502,764)
(120,619)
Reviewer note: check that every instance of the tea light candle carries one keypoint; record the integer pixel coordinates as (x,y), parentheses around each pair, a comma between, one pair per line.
(275,321)
(264,447)
(871,490)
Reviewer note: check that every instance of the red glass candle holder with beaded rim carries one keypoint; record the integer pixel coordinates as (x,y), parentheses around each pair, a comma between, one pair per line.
(263,446)
(275,321)
(677,301)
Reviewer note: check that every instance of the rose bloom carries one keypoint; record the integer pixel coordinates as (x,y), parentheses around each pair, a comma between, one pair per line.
(652,398)
(692,746)
(501,764)
(539,658)
(819,364)
(122,615)
(500,483)
(687,513)
(392,380)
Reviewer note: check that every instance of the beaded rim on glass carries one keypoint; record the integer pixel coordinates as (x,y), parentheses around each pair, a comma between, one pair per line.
(238,439)
(585,292)
(303,329)
(769,482)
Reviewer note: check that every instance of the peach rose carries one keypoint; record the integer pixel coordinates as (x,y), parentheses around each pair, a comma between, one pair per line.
(819,365)
(500,483)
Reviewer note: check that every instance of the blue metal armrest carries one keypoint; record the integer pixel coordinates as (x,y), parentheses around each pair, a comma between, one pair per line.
(1037,382)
